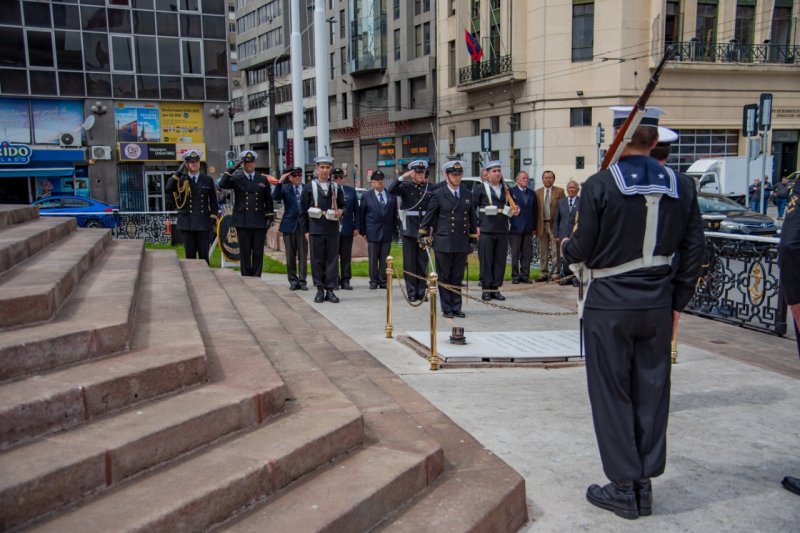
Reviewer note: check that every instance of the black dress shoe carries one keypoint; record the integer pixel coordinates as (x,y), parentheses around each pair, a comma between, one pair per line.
(373,286)
(486,296)
(293,286)
(413,299)
(644,496)
(303,286)
(447,314)
(565,281)
(498,296)
(425,298)
(383,285)
(320,297)
(459,314)
(619,497)
(515,282)
(346,285)
(331,297)
(525,281)
(792,484)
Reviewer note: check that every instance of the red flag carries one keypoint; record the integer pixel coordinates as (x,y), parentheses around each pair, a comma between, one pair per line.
(473,46)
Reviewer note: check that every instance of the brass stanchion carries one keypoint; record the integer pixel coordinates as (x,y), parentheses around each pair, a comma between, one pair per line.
(432,282)
(674,348)
(389,276)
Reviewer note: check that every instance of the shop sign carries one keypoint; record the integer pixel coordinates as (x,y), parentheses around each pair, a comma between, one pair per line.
(52,118)
(181,122)
(137,123)
(386,152)
(157,151)
(15,154)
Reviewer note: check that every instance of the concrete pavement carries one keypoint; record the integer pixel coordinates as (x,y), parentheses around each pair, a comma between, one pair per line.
(733,433)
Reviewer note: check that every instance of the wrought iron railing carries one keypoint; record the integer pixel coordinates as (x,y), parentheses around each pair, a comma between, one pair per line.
(739,283)
(485,69)
(734,52)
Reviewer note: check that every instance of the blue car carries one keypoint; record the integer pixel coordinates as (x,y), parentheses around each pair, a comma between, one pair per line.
(89,213)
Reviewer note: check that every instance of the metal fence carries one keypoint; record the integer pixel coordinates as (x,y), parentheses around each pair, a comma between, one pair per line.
(151,226)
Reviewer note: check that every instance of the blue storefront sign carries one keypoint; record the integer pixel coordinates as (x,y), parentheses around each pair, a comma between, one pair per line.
(14,153)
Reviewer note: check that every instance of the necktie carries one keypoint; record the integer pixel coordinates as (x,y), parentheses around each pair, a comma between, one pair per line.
(381,200)
(456,193)
(297,193)
(571,204)
(250,177)
(194,179)
(547,204)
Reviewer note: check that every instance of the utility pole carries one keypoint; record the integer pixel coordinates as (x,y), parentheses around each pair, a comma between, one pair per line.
(297,88)
(320,62)
(272,133)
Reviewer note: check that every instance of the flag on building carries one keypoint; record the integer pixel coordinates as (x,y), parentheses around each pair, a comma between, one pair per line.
(473,46)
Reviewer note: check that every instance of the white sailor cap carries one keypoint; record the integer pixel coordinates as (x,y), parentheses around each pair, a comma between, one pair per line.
(323,160)
(666,135)
(192,155)
(493,164)
(248,156)
(454,167)
(650,118)
(417,163)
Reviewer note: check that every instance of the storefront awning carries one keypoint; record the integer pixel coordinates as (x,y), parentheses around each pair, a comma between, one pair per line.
(37,172)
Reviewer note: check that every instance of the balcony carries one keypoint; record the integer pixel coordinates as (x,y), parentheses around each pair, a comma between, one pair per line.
(486,73)
(734,52)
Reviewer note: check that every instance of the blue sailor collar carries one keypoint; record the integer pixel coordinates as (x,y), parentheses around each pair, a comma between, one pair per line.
(639,175)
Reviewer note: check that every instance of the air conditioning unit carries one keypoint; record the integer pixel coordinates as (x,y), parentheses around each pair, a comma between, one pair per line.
(69,140)
(101,153)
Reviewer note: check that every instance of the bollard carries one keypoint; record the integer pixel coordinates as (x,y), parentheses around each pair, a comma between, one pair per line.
(389,276)
(432,281)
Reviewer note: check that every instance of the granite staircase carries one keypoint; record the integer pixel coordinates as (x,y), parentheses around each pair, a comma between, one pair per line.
(143,393)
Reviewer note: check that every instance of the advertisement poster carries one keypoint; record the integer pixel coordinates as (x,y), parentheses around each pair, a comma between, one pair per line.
(181,122)
(77,185)
(157,151)
(15,122)
(51,118)
(137,123)
(386,152)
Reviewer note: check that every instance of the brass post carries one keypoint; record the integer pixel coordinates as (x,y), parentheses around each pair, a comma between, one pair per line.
(674,347)
(389,275)
(432,282)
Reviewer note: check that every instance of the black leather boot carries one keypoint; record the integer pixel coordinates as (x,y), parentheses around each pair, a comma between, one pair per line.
(331,297)
(792,484)
(619,497)
(644,496)
(486,296)
(320,297)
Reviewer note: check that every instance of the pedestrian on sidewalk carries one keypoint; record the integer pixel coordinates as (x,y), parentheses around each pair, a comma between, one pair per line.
(633,217)
(781,195)
(789,264)
(563,224)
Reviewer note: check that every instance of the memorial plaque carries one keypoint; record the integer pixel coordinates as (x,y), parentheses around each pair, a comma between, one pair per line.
(514,346)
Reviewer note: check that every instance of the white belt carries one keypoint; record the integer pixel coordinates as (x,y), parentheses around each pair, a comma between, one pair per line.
(657,260)
(415,213)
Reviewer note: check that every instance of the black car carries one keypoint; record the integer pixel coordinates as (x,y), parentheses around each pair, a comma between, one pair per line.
(732,217)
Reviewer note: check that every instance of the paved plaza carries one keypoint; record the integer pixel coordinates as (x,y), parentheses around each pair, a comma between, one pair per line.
(733,432)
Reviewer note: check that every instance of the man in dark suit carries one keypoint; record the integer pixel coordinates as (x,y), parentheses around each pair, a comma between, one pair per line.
(347,228)
(451,221)
(196,201)
(547,197)
(563,224)
(289,190)
(252,212)
(378,213)
(320,208)
(520,231)
(492,211)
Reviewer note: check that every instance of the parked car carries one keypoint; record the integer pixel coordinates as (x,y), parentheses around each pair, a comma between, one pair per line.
(737,219)
(88,212)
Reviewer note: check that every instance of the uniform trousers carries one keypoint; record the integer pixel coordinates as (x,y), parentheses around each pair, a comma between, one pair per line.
(345,257)
(324,264)
(196,244)
(415,260)
(492,253)
(251,250)
(521,255)
(377,253)
(628,373)
(450,269)
(549,252)
(296,255)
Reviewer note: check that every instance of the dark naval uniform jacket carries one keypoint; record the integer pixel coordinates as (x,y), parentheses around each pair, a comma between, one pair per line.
(414,198)
(789,254)
(350,212)
(195,215)
(489,223)
(453,220)
(321,225)
(290,221)
(252,206)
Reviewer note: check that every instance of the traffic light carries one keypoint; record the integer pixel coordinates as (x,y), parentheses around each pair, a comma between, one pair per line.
(600,134)
(230,156)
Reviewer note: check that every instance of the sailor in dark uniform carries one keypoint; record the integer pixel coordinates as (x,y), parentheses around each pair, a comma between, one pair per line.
(252,212)
(196,202)
(347,229)
(789,264)
(492,212)
(451,221)
(320,208)
(633,217)
(414,192)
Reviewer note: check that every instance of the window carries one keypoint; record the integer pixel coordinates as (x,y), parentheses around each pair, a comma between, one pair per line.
(781,24)
(124,86)
(672,32)
(169,56)
(40,48)
(332,34)
(167,24)
(71,84)
(745,22)
(696,144)
(191,55)
(93,18)
(426,5)
(398,96)
(344,106)
(43,82)
(706,26)
(580,116)
(476,126)
(213,27)
(12,48)
(426,38)
(119,21)
(310,118)
(146,55)
(495,125)
(476,163)
(171,88)
(451,63)
(418,40)
(215,55)
(144,23)
(37,14)
(516,122)
(95,47)
(343,59)
(417,87)
(332,65)
(342,24)
(122,45)
(582,29)
(191,26)
(452,10)
(68,50)
(98,84)
(397,45)
(148,87)
(238,128)
(217,89)
(193,89)
(417,7)
(396,9)
(65,17)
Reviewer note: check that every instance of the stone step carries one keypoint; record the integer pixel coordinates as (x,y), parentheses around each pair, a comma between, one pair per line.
(33,291)
(209,488)
(96,320)
(11,214)
(20,241)
(353,494)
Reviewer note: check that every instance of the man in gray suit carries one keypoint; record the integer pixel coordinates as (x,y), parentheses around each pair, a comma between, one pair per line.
(564,223)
